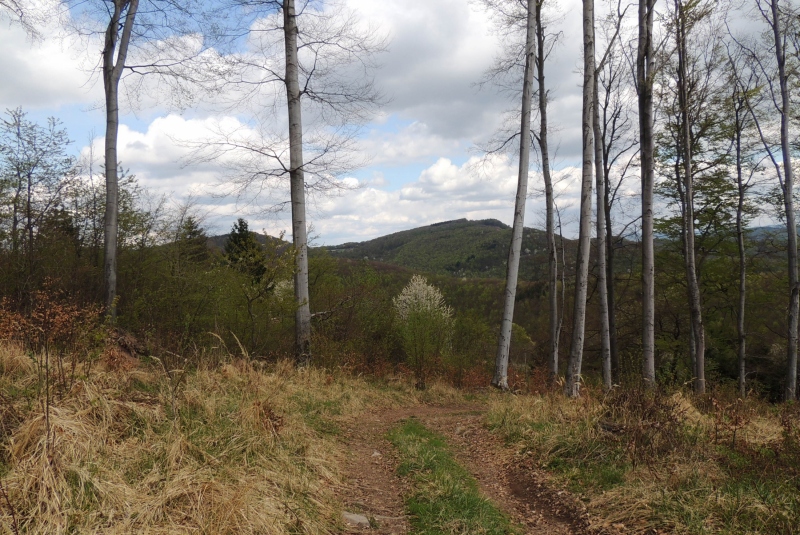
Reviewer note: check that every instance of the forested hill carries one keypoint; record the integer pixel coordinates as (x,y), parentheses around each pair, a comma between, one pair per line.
(460,248)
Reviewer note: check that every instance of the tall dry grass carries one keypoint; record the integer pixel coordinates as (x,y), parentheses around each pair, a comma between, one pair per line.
(130,449)
(665,462)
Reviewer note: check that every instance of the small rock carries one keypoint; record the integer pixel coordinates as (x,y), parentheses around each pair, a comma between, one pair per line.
(356,520)
(376,453)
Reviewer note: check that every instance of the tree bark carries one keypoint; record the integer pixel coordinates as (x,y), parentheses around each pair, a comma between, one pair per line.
(602,288)
(115,44)
(500,379)
(572,383)
(611,283)
(644,83)
(788,201)
(740,331)
(693,287)
(302,348)
(552,254)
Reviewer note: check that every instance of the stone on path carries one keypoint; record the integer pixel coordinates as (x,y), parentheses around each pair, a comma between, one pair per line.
(356,520)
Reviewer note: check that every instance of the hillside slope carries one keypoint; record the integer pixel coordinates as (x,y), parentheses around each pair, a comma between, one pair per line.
(460,248)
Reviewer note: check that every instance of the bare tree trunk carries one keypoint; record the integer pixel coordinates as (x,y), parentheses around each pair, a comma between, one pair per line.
(644,83)
(302,347)
(500,379)
(693,287)
(602,288)
(610,284)
(115,44)
(788,201)
(572,383)
(740,332)
(552,258)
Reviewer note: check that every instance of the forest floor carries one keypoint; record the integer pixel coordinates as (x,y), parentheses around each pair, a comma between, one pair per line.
(374,489)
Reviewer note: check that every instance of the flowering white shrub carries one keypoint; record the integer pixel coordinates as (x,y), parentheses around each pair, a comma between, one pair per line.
(425,324)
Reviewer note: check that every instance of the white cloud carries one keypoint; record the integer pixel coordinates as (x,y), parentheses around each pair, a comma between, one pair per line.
(438,50)
(43,74)
(444,191)
(414,143)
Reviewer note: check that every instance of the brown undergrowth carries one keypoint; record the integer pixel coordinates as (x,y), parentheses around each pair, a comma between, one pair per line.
(659,462)
(148,449)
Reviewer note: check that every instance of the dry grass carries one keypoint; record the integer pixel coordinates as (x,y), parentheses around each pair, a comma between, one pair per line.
(229,450)
(645,462)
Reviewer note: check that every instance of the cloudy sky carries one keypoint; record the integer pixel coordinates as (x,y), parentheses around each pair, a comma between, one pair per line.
(423,162)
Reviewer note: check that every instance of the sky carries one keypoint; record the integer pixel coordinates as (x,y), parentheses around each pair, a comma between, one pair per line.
(423,162)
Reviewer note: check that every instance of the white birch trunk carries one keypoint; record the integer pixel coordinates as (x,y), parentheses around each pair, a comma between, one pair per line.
(500,379)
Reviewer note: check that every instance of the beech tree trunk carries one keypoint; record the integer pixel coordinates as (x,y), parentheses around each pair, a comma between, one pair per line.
(693,287)
(788,200)
(602,289)
(644,84)
(611,284)
(302,348)
(552,253)
(115,52)
(741,189)
(572,383)
(500,379)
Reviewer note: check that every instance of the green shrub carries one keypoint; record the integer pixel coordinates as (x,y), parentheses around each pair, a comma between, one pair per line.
(424,323)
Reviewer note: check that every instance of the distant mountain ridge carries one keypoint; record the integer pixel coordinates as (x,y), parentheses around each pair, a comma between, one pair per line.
(465,248)
(461,248)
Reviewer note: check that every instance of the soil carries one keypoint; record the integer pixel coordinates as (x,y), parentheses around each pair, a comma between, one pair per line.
(511,481)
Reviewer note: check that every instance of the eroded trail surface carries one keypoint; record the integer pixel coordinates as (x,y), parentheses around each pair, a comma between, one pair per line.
(375,491)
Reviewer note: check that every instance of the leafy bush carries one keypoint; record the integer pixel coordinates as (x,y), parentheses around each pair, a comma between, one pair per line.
(424,323)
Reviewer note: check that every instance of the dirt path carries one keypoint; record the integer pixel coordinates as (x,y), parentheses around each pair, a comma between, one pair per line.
(374,490)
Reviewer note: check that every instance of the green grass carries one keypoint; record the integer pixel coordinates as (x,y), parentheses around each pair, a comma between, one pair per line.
(669,467)
(445,499)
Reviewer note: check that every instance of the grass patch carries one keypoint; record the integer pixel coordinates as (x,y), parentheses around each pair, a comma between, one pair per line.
(655,460)
(446,499)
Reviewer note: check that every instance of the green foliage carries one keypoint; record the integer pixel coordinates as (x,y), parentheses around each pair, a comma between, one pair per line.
(424,323)
(458,248)
(446,499)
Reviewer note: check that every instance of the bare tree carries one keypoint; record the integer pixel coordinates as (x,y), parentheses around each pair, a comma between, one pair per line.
(776,77)
(500,379)
(115,53)
(302,346)
(27,14)
(742,85)
(693,85)
(601,180)
(573,376)
(317,57)
(512,18)
(602,286)
(778,23)
(544,149)
(645,70)
(139,37)
(616,149)
(770,66)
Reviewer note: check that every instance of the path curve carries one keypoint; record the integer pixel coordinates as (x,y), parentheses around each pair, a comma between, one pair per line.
(373,488)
